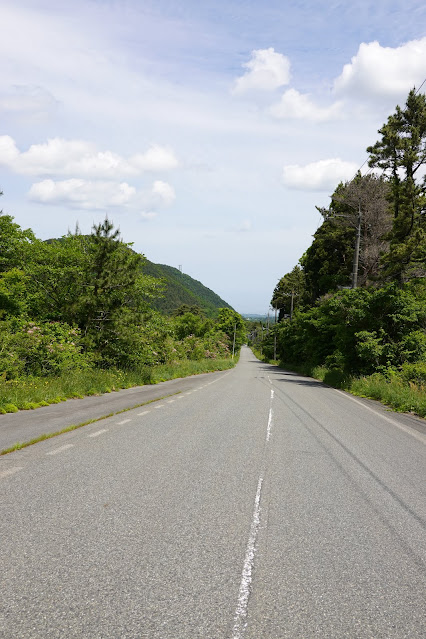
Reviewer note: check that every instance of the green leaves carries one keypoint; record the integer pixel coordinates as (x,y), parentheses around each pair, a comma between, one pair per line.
(401,153)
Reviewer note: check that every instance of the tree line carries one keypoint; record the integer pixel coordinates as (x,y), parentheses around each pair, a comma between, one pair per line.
(356,301)
(84,301)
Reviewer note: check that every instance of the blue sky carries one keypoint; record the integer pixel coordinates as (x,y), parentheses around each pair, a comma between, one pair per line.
(207,131)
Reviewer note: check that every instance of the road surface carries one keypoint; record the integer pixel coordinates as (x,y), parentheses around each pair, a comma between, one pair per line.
(258,504)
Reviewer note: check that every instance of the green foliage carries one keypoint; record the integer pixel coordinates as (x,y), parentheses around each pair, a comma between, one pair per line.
(327,263)
(401,153)
(359,330)
(72,307)
(191,324)
(379,330)
(45,348)
(182,290)
(14,243)
(289,292)
(233,325)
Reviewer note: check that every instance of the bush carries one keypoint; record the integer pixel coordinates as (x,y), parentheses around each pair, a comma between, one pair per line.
(42,348)
(414,372)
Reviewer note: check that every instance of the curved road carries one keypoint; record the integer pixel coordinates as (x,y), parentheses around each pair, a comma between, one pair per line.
(257,504)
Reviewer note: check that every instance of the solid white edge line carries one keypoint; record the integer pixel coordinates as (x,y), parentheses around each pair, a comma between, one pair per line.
(410,431)
(240,619)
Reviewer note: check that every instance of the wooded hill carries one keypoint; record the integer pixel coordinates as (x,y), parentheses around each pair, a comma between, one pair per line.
(182,289)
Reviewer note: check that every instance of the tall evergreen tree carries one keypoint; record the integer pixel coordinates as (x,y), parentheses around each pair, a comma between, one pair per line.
(401,154)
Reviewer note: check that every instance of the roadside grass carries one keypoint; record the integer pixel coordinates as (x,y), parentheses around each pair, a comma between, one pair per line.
(33,392)
(400,395)
(185,368)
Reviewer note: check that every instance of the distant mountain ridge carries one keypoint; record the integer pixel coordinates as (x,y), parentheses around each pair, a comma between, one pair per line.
(182,289)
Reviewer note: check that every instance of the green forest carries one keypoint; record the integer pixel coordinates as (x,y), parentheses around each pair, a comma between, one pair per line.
(353,310)
(86,314)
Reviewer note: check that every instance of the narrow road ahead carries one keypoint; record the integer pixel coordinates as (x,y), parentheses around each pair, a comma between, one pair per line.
(258,504)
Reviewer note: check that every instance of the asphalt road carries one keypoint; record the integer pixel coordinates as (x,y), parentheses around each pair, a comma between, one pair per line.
(259,504)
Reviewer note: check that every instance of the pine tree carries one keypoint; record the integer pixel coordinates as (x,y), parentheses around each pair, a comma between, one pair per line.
(401,153)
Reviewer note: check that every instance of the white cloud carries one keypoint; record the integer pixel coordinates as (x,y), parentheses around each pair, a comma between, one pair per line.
(383,71)
(267,70)
(81,158)
(77,193)
(82,194)
(164,191)
(298,106)
(324,175)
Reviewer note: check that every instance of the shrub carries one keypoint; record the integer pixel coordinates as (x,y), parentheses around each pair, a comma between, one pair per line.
(43,348)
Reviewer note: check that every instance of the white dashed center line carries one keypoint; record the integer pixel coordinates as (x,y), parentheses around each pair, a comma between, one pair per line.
(10,471)
(98,432)
(60,449)
(145,412)
(240,618)
(124,422)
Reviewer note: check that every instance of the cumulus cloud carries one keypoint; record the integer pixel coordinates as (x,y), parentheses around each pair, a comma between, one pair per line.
(318,176)
(298,106)
(82,194)
(77,193)
(164,192)
(383,71)
(80,158)
(267,70)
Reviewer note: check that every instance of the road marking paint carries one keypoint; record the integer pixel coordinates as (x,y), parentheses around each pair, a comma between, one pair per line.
(268,430)
(98,432)
(270,418)
(170,401)
(159,406)
(124,422)
(180,397)
(240,619)
(144,412)
(406,429)
(10,471)
(60,449)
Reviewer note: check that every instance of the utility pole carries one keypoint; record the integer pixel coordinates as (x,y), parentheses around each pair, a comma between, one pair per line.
(357,247)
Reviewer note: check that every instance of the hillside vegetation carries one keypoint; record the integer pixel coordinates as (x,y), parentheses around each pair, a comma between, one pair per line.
(78,316)
(182,289)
